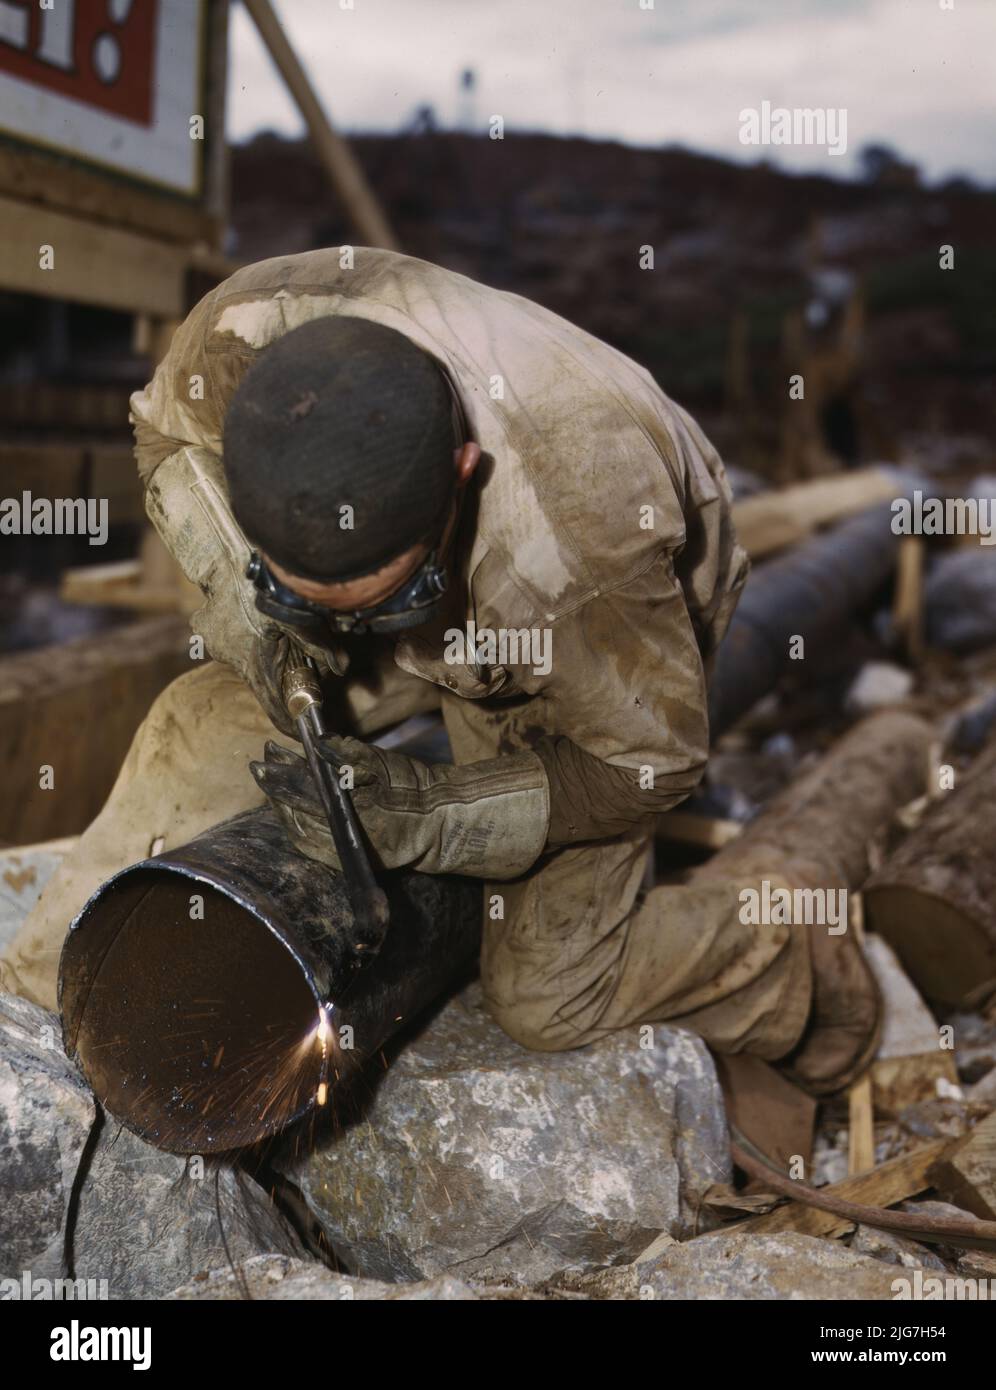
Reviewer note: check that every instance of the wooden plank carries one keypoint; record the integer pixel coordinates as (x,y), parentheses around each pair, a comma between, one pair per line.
(708,832)
(967,1175)
(861,1136)
(75,708)
(47,470)
(121,585)
(885,1185)
(907,607)
(112,474)
(910,1062)
(63,406)
(75,469)
(772,521)
(61,184)
(92,264)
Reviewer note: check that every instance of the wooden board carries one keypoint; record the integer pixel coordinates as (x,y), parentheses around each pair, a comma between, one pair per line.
(708,832)
(36,177)
(772,521)
(34,173)
(967,1175)
(92,264)
(885,1185)
(75,708)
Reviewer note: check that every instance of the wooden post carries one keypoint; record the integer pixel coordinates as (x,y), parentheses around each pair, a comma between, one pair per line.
(347,177)
(861,1108)
(907,612)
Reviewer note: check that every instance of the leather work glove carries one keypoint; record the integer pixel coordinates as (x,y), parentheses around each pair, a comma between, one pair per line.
(486,819)
(187,502)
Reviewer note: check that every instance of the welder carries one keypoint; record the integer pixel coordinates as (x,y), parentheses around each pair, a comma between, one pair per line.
(356,454)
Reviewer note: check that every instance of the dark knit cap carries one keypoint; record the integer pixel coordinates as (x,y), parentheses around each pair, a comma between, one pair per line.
(340,412)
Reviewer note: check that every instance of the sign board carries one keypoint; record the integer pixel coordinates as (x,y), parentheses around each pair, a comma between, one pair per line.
(112,83)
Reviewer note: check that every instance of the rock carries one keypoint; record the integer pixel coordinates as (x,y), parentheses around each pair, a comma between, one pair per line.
(974,725)
(960,599)
(977,1264)
(941,1211)
(478,1155)
(877,684)
(275,1278)
(147,1222)
(46,1114)
(975,1045)
(23,875)
(945,1118)
(744,1267)
(984,1092)
(830,1156)
(894,1249)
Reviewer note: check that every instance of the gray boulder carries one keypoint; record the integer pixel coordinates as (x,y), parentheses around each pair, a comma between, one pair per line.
(478,1157)
(142,1221)
(46,1113)
(277,1279)
(729,1266)
(149,1221)
(960,599)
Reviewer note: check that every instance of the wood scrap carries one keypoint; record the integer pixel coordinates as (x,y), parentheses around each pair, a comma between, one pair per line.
(966,1176)
(774,520)
(829,1201)
(861,1138)
(907,606)
(83,699)
(706,832)
(910,1062)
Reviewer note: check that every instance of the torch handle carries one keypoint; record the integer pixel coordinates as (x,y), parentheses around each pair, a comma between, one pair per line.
(367,899)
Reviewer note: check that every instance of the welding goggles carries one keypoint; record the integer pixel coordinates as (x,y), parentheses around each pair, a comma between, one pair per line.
(415,602)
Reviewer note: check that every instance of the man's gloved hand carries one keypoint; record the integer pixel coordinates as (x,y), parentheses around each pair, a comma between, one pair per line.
(486,819)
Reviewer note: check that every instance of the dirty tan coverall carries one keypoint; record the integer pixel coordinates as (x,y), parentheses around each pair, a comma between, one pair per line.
(600,513)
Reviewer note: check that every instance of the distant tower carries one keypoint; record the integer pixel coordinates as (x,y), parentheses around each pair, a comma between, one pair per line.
(466,101)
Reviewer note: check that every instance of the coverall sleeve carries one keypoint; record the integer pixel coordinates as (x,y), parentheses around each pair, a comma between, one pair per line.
(626,700)
(178,407)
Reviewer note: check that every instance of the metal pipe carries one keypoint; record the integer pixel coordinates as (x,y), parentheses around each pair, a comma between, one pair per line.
(808,592)
(303,693)
(214,994)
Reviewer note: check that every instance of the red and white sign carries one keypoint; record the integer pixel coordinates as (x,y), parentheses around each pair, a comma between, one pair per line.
(113,82)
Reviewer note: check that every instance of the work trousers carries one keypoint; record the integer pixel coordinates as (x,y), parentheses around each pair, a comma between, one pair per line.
(578,947)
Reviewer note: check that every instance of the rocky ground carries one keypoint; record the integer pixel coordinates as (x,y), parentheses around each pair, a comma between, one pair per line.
(470,1168)
(477,1171)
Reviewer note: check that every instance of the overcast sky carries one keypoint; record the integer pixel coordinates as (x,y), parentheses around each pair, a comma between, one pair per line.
(908,73)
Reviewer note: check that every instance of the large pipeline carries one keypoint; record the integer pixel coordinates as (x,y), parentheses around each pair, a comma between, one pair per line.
(214,994)
(809,592)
